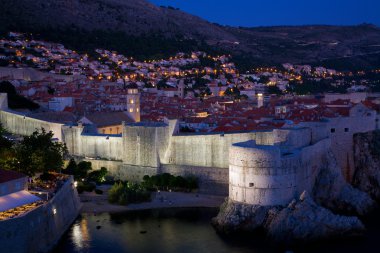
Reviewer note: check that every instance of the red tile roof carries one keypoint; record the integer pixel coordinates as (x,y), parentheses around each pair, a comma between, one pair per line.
(9,175)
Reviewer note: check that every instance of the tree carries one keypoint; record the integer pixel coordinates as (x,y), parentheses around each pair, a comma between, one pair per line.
(6,151)
(98,176)
(4,142)
(264,79)
(71,168)
(232,92)
(82,169)
(274,90)
(15,101)
(39,153)
(162,84)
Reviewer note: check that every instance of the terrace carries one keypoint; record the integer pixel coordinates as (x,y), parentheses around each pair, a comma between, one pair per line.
(39,192)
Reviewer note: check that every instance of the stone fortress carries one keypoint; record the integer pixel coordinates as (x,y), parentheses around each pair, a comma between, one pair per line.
(275,174)
(260,167)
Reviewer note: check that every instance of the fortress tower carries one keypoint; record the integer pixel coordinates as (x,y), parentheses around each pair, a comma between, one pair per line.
(274,174)
(256,175)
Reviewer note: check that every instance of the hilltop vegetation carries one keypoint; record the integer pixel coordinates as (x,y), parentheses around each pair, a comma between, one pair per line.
(141,29)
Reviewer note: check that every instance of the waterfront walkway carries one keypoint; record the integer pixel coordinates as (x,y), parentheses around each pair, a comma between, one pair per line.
(93,203)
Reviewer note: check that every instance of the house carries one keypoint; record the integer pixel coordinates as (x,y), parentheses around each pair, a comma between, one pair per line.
(12,181)
(59,103)
(13,190)
(106,122)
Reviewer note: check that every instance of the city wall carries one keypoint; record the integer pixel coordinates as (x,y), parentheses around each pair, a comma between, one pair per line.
(211,180)
(30,74)
(99,146)
(18,235)
(208,150)
(146,148)
(341,131)
(24,125)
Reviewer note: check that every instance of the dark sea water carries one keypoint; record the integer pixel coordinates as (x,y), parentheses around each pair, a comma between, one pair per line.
(186,231)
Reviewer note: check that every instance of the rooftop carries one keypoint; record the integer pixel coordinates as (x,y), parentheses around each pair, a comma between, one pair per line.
(148,124)
(8,175)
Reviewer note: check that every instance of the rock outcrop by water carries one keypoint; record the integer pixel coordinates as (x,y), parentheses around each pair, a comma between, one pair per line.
(333,192)
(311,217)
(302,220)
(367,163)
(238,217)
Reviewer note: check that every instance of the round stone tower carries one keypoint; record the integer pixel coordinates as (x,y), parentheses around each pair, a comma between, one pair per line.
(256,175)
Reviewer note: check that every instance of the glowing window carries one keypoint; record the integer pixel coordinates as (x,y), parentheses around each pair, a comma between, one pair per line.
(131,110)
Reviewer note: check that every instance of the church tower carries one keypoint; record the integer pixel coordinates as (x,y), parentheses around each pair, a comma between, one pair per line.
(133,102)
(181,89)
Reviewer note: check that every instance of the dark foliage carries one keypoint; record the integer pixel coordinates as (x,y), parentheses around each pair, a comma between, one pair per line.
(79,171)
(16,101)
(167,181)
(124,193)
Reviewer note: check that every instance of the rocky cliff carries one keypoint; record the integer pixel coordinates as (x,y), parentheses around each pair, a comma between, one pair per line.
(311,217)
(367,163)
(302,220)
(333,192)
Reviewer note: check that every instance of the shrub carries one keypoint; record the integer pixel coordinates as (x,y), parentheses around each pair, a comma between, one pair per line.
(98,176)
(124,193)
(98,191)
(88,187)
(167,181)
(80,189)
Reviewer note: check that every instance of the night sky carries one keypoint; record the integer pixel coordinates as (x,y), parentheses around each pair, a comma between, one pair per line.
(281,12)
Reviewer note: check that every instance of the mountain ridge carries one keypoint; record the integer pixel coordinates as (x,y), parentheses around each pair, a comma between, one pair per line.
(138,18)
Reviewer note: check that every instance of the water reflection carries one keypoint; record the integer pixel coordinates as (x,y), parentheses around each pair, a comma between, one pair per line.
(80,235)
(183,231)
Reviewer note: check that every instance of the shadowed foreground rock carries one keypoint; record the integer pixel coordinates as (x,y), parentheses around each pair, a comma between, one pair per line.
(367,163)
(333,192)
(306,221)
(301,221)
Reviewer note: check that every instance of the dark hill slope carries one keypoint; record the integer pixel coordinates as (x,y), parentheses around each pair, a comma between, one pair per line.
(139,27)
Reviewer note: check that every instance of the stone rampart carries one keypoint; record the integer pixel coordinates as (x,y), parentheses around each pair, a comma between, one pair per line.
(93,146)
(209,150)
(342,130)
(24,125)
(40,229)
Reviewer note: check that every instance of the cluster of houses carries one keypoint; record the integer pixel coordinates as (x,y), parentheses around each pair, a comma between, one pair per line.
(207,93)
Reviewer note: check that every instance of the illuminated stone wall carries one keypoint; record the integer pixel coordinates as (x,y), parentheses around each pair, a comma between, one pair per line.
(275,174)
(40,229)
(3,101)
(23,125)
(341,131)
(154,145)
